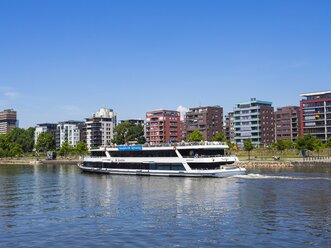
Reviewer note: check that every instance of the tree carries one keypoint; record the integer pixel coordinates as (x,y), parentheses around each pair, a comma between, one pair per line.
(45,142)
(15,150)
(248,146)
(279,145)
(288,144)
(9,148)
(306,142)
(66,149)
(220,137)
(23,137)
(81,148)
(195,136)
(126,132)
(318,145)
(328,142)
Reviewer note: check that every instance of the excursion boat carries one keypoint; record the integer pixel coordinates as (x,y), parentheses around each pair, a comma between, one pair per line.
(206,159)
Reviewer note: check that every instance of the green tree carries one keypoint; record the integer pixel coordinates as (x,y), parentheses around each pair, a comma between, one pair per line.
(2,153)
(248,146)
(45,142)
(4,142)
(230,145)
(288,144)
(220,137)
(126,132)
(23,137)
(279,145)
(306,142)
(15,150)
(195,136)
(328,142)
(66,149)
(81,148)
(318,145)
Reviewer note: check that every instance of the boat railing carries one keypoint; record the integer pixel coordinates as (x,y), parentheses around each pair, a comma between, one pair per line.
(209,156)
(204,143)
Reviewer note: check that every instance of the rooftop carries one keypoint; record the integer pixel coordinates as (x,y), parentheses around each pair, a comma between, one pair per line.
(316,93)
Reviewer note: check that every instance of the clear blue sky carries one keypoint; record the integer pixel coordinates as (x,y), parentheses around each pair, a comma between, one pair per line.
(63,60)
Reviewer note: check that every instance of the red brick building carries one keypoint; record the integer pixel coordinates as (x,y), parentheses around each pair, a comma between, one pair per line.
(162,126)
(208,120)
(287,123)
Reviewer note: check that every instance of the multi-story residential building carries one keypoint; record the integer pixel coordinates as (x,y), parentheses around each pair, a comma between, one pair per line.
(162,126)
(287,123)
(183,129)
(44,127)
(208,120)
(72,131)
(229,127)
(254,120)
(8,120)
(315,114)
(134,121)
(100,128)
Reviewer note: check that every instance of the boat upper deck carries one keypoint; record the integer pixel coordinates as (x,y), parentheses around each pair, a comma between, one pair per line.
(179,146)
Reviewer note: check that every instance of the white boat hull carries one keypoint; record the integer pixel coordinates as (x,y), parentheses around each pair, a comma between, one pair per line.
(223,172)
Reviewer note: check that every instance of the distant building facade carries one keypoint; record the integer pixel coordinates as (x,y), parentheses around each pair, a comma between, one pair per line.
(229,127)
(287,123)
(134,121)
(208,120)
(183,132)
(162,126)
(44,127)
(100,128)
(72,131)
(254,120)
(315,114)
(8,120)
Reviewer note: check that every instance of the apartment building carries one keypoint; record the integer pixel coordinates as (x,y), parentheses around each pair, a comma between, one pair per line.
(44,127)
(287,123)
(134,121)
(229,127)
(254,120)
(315,114)
(71,131)
(208,120)
(162,126)
(99,129)
(8,120)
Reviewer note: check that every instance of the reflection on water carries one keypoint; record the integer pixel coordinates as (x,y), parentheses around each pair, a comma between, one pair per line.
(59,206)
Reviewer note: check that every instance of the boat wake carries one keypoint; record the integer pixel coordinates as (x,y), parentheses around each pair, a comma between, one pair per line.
(259,176)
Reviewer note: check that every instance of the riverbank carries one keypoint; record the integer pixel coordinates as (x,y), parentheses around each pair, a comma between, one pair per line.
(284,164)
(23,161)
(247,164)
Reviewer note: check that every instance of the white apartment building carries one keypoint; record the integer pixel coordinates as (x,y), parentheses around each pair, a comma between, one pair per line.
(44,127)
(100,128)
(72,131)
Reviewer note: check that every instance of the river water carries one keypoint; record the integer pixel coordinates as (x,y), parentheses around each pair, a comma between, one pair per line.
(59,206)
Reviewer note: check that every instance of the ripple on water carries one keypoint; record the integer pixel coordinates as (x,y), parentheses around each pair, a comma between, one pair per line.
(45,208)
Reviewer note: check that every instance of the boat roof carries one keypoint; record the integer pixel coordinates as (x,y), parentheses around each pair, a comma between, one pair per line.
(180,146)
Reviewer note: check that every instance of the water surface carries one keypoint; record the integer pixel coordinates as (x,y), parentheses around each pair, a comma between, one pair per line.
(59,206)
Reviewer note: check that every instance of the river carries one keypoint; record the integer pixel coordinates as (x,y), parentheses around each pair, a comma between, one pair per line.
(60,206)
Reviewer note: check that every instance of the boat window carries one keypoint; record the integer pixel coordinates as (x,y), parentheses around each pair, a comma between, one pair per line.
(205,166)
(98,154)
(135,166)
(153,153)
(201,152)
